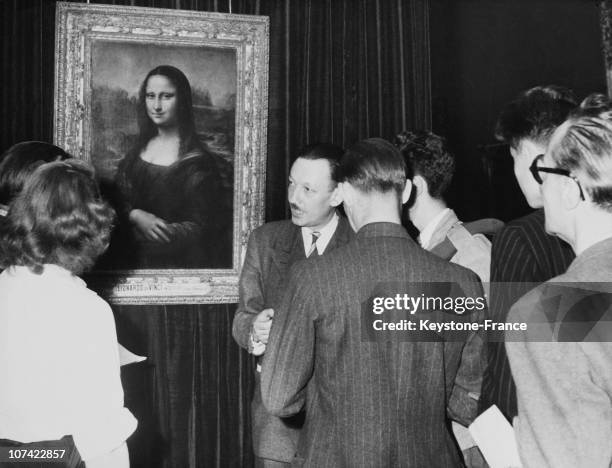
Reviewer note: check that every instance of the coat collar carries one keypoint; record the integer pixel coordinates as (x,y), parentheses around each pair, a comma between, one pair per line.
(444,225)
(383,229)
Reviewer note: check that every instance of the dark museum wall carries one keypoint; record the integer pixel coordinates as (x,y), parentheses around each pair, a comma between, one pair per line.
(482,54)
(340,70)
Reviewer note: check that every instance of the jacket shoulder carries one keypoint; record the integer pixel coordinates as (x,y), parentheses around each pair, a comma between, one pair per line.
(531,222)
(275,231)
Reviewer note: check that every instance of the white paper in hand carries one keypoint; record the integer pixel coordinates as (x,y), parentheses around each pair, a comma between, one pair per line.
(495,438)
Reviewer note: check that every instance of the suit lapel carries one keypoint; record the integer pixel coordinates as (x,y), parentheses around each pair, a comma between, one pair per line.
(286,248)
(344,233)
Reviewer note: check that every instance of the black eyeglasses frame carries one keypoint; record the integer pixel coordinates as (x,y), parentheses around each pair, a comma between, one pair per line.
(535,172)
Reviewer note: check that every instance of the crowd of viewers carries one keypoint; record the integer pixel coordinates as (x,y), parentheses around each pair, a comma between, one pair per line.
(328,392)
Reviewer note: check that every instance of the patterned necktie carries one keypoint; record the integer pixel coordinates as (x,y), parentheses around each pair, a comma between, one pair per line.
(313,245)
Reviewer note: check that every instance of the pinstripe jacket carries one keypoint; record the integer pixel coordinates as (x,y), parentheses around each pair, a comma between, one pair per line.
(367,404)
(523,255)
(272,249)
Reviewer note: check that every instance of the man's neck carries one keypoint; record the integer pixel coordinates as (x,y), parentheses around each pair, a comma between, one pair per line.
(591,230)
(381,209)
(426,211)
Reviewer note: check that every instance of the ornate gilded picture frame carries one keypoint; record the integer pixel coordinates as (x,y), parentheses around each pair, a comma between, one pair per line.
(191,89)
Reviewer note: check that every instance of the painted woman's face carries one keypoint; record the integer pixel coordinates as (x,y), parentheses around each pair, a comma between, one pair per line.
(161,101)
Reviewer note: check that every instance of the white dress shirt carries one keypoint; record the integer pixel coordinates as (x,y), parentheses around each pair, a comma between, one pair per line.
(59,363)
(326,233)
(428,231)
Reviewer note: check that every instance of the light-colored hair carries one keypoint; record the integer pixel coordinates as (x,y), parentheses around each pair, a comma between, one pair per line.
(585,148)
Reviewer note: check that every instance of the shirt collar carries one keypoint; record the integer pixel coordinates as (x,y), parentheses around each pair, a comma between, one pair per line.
(49,271)
(429,230)
(326,233)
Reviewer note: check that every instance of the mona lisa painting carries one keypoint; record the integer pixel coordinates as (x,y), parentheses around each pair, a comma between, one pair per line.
(170,108)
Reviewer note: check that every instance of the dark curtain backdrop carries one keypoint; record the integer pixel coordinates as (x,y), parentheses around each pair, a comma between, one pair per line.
(340,70)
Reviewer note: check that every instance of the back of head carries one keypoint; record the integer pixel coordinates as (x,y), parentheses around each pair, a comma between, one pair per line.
(58,218)
(426,154)
(375,165)
(534,115)
(328,151)
(19,161)
(583,146)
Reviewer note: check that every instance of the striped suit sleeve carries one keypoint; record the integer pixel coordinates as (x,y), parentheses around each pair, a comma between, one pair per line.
(251,296)
(289,358)
(512,264)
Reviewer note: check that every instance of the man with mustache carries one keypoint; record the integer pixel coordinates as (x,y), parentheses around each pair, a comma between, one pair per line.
(372,399)
(315,228)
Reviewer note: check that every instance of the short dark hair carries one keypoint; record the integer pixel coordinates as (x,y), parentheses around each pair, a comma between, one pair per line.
(58,218)
(585,148)
(373,164)
(19,161)
(534,115)
(426,154)
(328,151)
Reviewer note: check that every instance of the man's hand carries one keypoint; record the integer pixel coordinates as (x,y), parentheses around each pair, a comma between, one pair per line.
(262,325)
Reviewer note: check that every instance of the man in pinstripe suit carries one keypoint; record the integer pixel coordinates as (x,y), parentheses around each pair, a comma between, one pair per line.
(272,249)
(369,404)
(523,254)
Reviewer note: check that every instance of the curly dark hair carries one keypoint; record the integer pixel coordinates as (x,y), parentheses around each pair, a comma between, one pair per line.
(59,218)
(426,154)
(19,161)
(534,115)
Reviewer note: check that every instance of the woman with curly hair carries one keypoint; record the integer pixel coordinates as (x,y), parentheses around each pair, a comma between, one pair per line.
(58,345)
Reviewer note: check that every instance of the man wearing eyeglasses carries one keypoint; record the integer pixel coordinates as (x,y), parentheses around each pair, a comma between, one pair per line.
(565,389)
(523,254)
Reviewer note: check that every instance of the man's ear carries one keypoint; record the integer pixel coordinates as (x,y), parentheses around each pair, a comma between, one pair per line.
(570,195)
(336,196)
(407,191)
(420,185)
(344,192)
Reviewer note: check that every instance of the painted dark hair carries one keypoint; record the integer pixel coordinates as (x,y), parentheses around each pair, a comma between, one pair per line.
(58,218)
(186,124)
(19,162)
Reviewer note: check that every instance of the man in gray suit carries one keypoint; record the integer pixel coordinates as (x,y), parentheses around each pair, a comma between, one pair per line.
(373,403)
(561,363)
(315,228)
